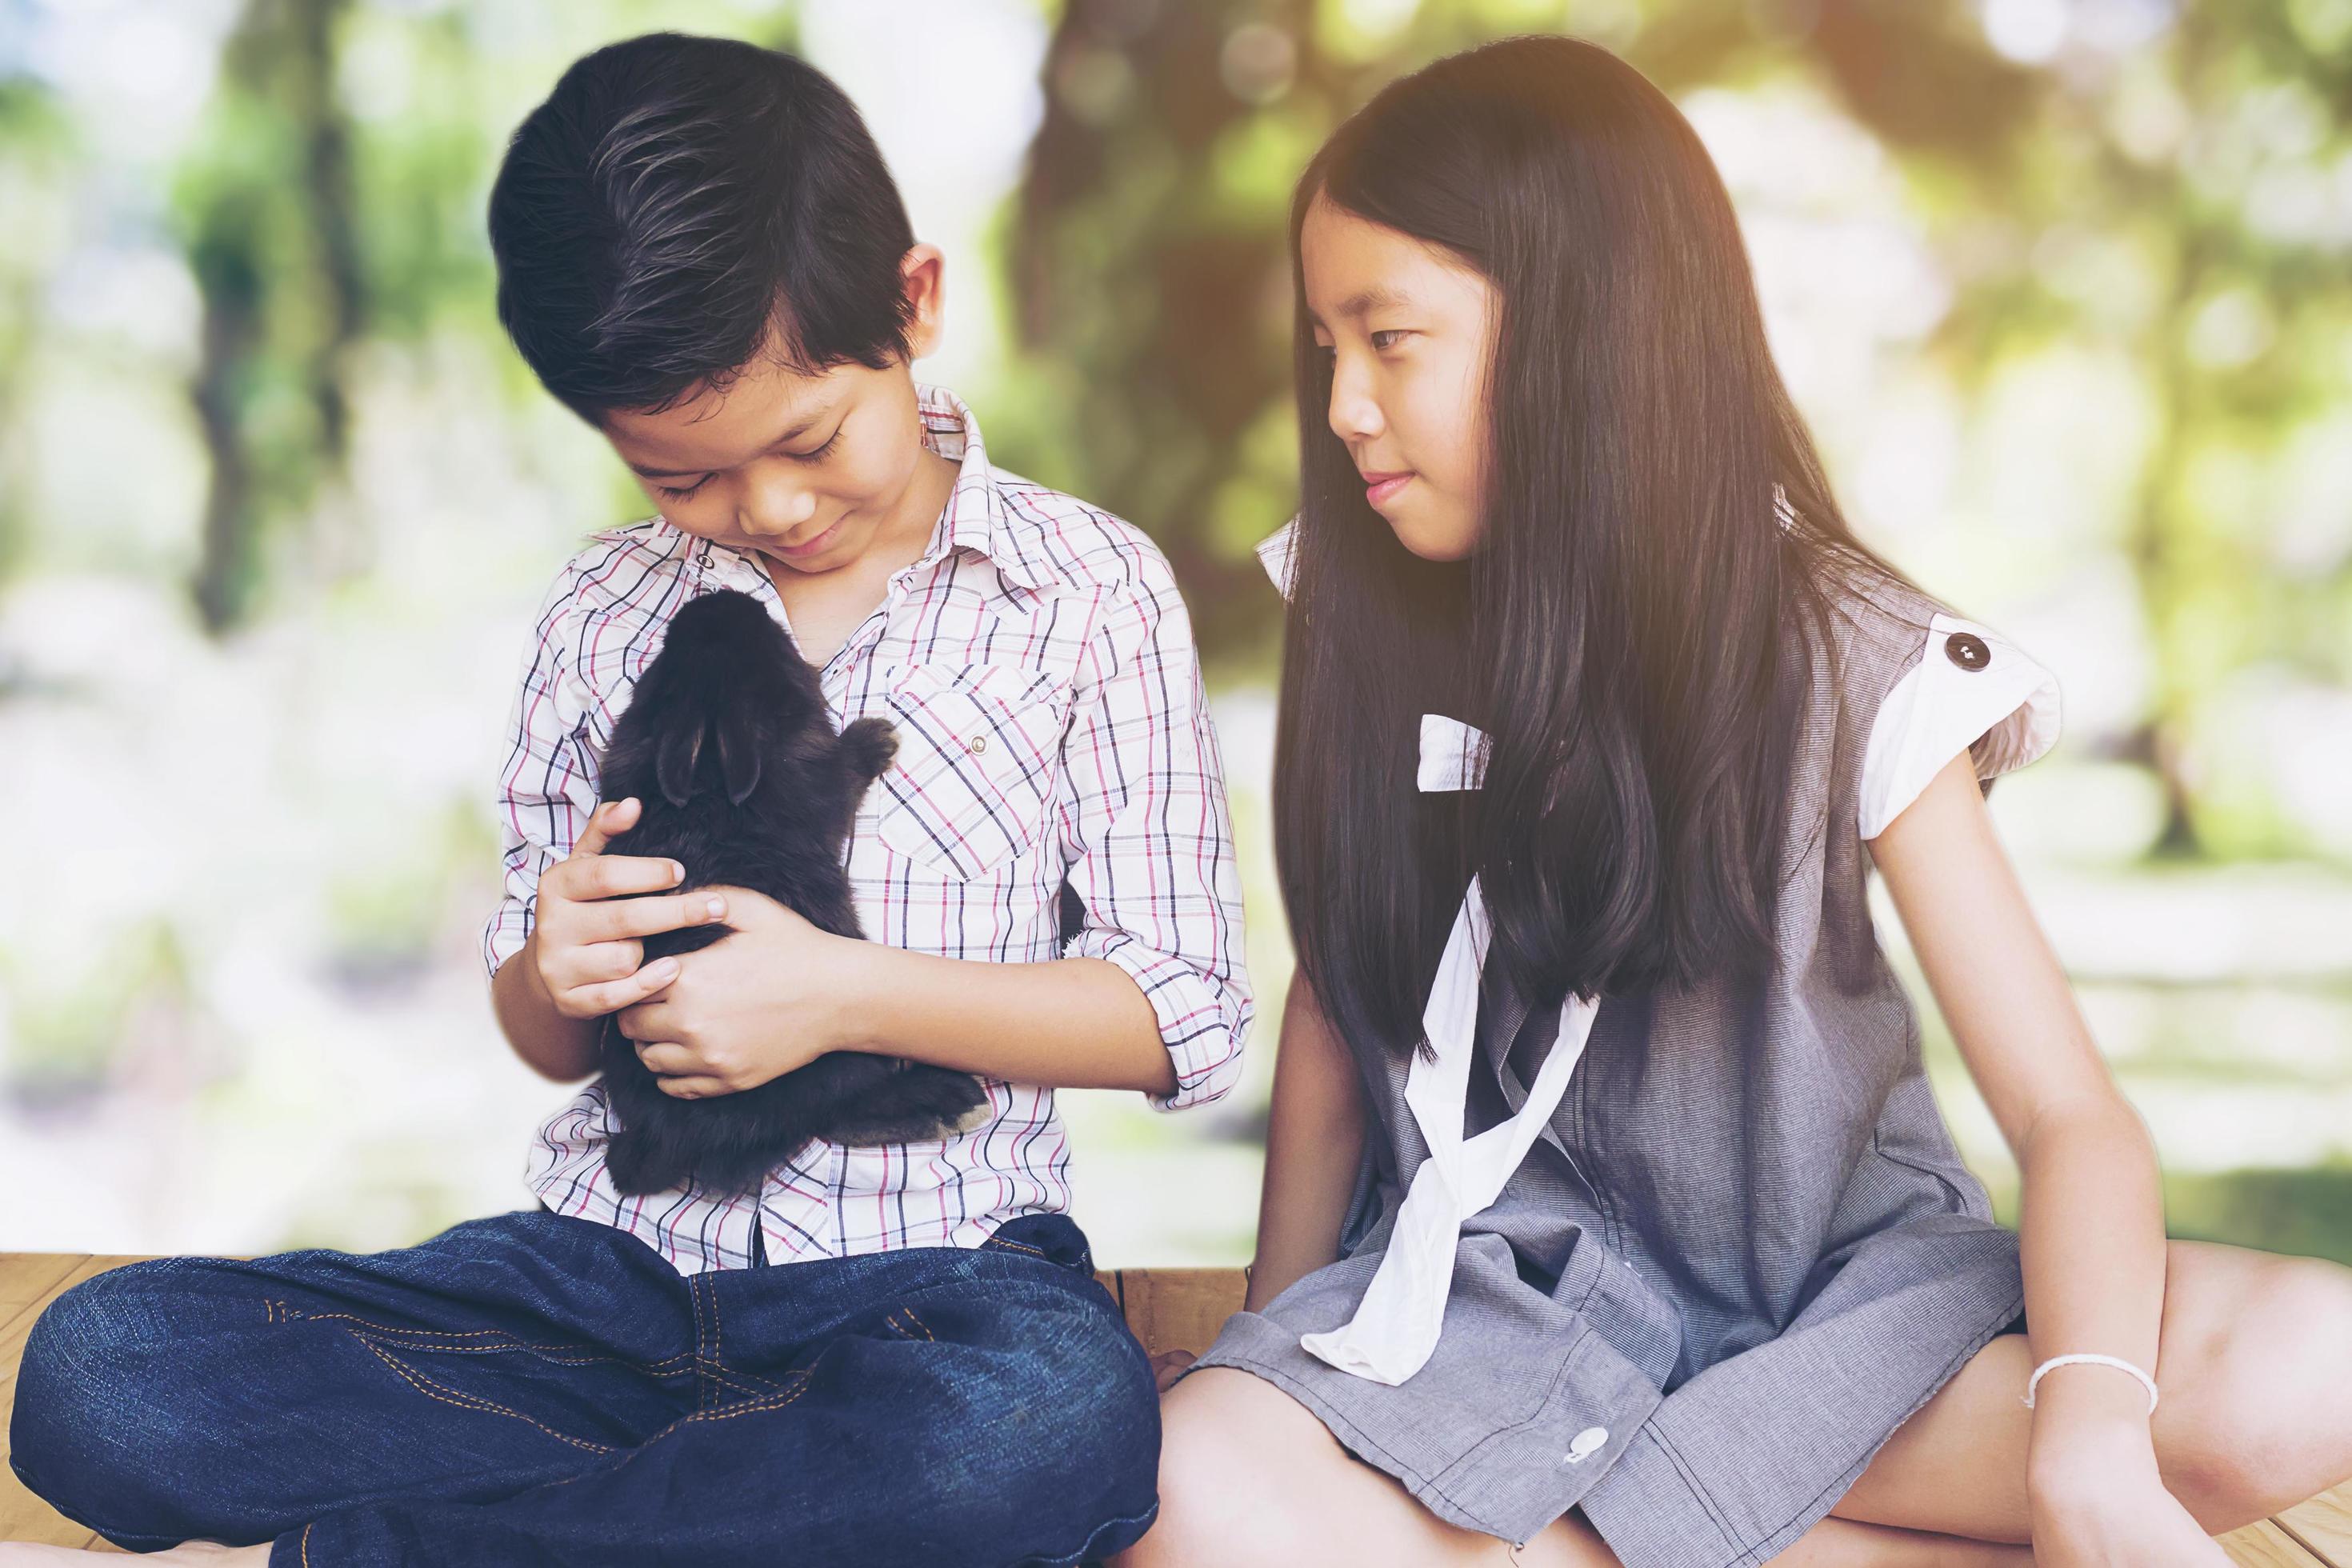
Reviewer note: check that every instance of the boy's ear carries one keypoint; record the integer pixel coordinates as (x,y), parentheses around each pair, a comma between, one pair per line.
(922,271)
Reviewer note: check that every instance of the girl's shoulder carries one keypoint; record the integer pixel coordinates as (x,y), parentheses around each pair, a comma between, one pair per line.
(1915,684)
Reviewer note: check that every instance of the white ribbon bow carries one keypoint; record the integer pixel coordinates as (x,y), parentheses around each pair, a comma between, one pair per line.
(1396,1325)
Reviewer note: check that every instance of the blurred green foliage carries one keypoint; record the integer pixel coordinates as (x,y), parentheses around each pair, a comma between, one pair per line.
(2168,208)
(2170,198)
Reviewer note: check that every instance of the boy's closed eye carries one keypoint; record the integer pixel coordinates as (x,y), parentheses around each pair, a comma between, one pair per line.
(815,455)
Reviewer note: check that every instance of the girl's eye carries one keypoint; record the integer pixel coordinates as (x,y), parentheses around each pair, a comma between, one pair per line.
(1386,340)
(686,493)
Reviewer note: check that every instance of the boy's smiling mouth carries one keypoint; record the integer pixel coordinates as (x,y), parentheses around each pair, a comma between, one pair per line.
(809,546)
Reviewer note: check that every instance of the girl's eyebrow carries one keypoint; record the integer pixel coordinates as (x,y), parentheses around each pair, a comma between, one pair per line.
(1364,302)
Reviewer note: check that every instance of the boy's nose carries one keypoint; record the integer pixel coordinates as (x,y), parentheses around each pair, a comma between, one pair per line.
(771,507)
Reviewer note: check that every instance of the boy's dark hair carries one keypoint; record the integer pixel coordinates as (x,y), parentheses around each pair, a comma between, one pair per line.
(679,205)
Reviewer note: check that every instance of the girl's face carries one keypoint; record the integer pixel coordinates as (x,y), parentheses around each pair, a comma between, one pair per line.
(804,471)
(1408,330)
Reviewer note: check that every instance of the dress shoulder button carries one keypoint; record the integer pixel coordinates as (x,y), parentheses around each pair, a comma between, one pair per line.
(1967,650)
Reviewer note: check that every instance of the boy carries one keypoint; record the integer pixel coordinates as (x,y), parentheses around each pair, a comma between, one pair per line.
(886,1355)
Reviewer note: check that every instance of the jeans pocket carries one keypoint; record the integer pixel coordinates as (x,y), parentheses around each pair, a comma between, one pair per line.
(1055,1238)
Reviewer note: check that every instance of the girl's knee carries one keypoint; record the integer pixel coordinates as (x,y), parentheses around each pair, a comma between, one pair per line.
(2256,1418)
(1222,1499)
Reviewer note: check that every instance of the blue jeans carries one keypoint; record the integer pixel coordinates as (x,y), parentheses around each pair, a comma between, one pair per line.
(532,1388)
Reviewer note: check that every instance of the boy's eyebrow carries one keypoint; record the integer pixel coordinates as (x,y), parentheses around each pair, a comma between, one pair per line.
(815,416)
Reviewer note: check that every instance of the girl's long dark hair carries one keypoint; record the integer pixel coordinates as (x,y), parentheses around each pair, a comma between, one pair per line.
(1637,632)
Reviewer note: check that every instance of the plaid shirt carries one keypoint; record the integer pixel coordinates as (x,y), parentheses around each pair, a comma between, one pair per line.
(1038,666)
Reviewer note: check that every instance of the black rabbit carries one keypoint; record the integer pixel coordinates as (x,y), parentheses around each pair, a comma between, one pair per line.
(741,780)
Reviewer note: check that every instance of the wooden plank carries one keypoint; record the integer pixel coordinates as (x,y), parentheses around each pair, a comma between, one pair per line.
(1180,1309)
(2324,1525)
(28,1278)
(22,1516)
(2265,1545)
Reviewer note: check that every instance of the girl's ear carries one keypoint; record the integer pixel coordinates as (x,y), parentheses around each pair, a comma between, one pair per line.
(922,271)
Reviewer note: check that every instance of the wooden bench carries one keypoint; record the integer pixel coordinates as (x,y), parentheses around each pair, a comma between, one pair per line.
(1169,1308)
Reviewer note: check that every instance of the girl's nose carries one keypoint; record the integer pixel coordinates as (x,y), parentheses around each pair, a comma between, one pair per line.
(1355,413)
(774,502)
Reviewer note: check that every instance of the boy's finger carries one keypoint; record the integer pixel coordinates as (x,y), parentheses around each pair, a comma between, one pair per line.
(667,1058)
(616,876)
(609,819)
(612,995)
(693,1088)
(644,917)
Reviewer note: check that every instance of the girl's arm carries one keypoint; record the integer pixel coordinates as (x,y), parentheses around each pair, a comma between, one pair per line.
(2092,1225)
(1315,1136)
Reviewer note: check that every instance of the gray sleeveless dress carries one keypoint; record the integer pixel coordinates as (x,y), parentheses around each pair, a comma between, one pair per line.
(1744,1248)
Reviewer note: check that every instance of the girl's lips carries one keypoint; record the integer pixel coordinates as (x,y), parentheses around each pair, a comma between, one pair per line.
(1378,487)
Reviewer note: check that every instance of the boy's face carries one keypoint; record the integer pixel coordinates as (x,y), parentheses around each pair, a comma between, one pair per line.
(806,471)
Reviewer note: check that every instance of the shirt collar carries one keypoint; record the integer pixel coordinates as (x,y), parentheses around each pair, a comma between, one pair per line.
(977,517)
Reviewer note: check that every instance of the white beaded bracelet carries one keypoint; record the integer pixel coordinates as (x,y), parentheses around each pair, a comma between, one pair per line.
(2116,1361)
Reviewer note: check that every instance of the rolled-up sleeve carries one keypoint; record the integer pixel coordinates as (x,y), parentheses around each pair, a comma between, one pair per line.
(547,784)
(1147,838)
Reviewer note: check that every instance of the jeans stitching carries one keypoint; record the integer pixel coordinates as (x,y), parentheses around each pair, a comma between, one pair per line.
(749,1408)
(701,1361)
(464,1401)
(921,1325)
(422,1340)
(1084,1553)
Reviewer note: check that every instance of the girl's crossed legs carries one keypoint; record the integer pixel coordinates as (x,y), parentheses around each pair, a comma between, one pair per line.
(2255,1354)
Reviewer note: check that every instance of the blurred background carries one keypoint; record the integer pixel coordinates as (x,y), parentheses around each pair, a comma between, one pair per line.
(2063,286)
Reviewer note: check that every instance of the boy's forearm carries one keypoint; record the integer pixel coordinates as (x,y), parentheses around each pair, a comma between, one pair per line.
(1072,1023)
(1314,1141)
(553,1046)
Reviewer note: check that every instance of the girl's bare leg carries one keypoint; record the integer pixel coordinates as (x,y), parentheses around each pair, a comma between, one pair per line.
(2254,1354)
(2253,1358)
(1249,1477)
(190,1554)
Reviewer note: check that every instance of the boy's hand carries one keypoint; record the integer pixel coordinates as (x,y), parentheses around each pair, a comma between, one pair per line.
(590,938)
(774,996)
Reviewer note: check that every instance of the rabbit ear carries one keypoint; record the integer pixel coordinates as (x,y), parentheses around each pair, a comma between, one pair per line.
(675,759)
(739,760)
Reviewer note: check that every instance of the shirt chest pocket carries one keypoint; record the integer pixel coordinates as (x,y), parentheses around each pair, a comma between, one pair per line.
(979,747)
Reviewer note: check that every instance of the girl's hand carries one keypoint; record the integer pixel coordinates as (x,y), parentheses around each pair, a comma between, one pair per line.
(2121,1527)
(588,939)
(1167,1366)
(2096,1497)
(773,995)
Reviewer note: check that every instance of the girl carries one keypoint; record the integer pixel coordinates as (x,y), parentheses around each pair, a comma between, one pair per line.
(1595,720)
